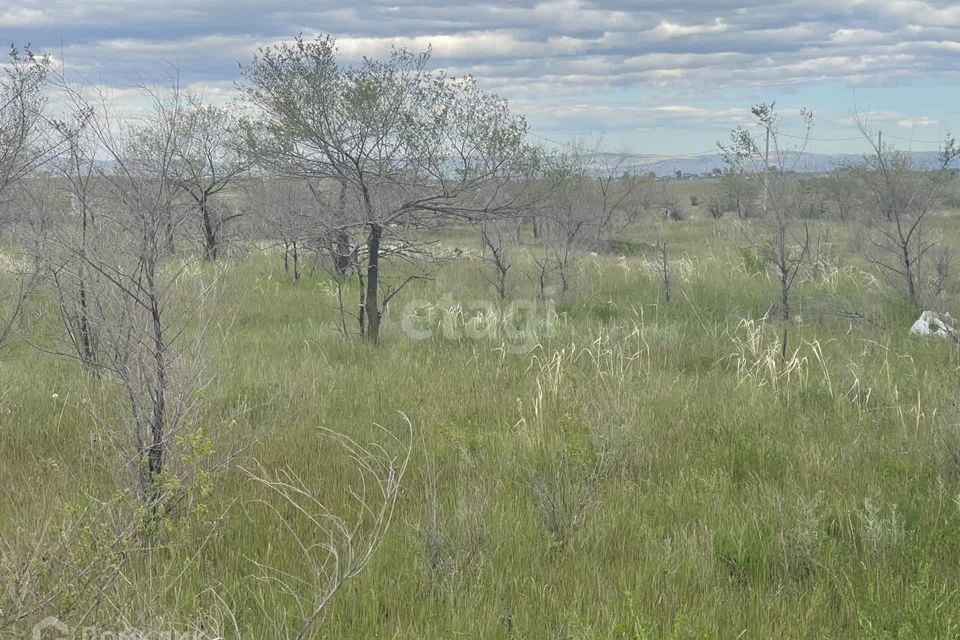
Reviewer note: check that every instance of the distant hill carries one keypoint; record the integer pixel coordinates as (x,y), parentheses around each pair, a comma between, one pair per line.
(637,164)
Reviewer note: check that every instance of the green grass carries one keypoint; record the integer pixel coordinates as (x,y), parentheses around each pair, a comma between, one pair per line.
(640,473)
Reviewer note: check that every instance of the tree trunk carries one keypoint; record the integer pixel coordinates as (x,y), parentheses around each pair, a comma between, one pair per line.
(785,294)
(361,314)
(371,301)
(341,240)
(86,339)
(209,230)
(665,272)
(908,273)
(296,262)
(170,237)
(155,452)
(341,254)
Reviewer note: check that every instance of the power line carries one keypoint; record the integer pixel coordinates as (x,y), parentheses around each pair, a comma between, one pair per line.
(911,140)
(546,139)
(789,135)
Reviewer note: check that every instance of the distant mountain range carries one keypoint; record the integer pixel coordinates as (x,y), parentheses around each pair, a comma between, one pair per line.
(637,164)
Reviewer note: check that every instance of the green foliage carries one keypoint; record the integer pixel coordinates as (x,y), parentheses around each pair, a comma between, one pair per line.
(622,479)
(753,262)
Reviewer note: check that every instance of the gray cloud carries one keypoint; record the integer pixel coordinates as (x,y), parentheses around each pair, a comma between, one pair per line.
(546,56)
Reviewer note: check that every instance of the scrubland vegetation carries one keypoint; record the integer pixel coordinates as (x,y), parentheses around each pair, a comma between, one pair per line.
(574,404)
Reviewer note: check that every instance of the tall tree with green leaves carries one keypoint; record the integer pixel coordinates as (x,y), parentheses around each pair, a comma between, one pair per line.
(410,145)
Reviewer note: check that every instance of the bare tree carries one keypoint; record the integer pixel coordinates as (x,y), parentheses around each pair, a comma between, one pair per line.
(813,197)
(141,299)
(663,270)
(24,145)
(207,161)
(22,133)
(668,203)
(715,204)
(285,208)
(842,192)
(566,217)
(338,216)
(902,196)
(499,238)
(409,144)
(614,198)
(737,192)
(775,239)
(76,168)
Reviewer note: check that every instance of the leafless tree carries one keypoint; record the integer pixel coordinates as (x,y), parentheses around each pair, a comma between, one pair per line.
(775,238)
(24,145)
(668,203)
(566,217)
(842,192)
(75,168)
(27,221)
(738,192)
(499,238)
(339,217)
(663,269)
(715,204)
(286,209)
(902,196)
(813,197)
(149,306)
(614,199)
(208,160)
(23,141)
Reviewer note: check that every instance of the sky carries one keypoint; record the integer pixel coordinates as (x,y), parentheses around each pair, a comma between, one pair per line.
(652,77)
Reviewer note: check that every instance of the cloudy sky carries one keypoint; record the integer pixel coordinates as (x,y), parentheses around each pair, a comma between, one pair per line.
(651,76)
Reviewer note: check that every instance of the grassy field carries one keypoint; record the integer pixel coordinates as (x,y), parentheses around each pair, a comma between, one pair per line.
(642,470)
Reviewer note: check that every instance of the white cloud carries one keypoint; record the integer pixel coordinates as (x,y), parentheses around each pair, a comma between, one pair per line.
(670,29)
(570,59)
(23,17)
(922,121)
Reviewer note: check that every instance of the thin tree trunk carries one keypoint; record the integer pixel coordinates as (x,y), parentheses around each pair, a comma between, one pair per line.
(296,262)
(170,236)
(341,250)
(343,316)
(665,272)
(86,340)
(341,241)
(361,313)
(371,300)
(209,230)
(155,453)
(908,273)
(785,294)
